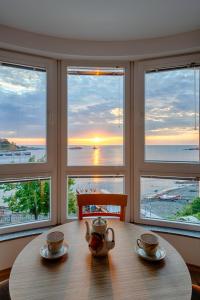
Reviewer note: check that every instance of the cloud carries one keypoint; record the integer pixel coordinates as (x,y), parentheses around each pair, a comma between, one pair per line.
(22,103)
(21,81)
(170,102)
(95,104)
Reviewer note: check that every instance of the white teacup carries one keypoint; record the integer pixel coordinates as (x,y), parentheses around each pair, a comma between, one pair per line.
(55,241)
(149,243)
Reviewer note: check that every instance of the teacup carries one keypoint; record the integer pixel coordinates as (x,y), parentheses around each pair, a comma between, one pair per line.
(149,243)
(55,241)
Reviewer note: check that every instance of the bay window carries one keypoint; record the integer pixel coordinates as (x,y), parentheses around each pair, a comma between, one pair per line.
(28,142)
(95,130)
(167,141)
(69,127)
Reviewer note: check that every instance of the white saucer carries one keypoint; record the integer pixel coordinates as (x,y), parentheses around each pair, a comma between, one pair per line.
(159,255)
(45,253)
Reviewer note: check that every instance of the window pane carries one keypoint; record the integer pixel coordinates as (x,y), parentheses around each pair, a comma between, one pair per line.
(93,184)
(172,115)
(95,116)
(22,114)
(170,199)
(24,201)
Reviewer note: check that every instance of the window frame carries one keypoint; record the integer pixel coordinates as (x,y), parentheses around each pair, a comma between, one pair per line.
(156,168)
(37,170)
(66,170)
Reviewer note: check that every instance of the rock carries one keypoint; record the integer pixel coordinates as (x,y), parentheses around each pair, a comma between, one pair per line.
(190,219)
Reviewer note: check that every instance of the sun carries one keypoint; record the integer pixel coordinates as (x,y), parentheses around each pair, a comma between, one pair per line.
(96,140)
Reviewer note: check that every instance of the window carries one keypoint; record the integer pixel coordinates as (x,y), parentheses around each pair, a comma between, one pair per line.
(85,135)
(170,199)
(95,116)
(95,130)
(93,184)
(25,201)
(22,114)
(28,142)
(172,115)
(167,138)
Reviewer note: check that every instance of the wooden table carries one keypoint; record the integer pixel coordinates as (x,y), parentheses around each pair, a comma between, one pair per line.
(121,275)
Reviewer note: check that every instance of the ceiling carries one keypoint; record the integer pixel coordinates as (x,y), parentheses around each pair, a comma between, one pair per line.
(102,20)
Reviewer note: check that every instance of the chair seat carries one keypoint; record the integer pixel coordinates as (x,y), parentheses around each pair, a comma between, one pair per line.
(4,290)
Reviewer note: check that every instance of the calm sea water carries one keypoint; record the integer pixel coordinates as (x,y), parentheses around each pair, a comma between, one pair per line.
(105,155)
(112,156)
(186,153)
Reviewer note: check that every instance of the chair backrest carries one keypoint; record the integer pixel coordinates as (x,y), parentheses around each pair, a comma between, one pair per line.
(102,199)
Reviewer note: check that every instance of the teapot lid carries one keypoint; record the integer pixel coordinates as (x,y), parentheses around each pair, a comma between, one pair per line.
(99,222)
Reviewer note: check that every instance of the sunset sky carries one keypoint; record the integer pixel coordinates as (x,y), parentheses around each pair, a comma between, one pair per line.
(95,110)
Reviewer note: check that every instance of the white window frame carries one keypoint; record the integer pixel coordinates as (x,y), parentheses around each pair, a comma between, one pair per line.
(152,168)
(65,170)
(37,170)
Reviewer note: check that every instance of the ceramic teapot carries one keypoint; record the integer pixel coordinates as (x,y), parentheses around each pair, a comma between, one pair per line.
(97,237)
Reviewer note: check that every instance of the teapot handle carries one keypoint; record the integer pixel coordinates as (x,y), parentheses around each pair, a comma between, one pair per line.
(113,233)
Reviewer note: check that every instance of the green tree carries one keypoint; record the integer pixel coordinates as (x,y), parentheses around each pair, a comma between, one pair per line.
(72,202)
(29,197)
(192,209)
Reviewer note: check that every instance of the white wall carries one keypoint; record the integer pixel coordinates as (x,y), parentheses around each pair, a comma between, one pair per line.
(24,41)
(10,249)
(188,247)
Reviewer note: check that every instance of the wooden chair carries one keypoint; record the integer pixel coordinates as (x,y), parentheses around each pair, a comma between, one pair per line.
(102,199)
(195,292)
(4,290)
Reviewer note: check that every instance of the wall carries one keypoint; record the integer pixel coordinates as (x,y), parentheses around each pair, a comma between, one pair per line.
(59,48)
(188,247)
(10,249)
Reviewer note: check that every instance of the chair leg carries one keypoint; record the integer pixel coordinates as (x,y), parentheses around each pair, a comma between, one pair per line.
(4,290)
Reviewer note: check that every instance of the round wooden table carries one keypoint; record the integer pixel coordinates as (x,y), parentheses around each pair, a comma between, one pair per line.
(120,275)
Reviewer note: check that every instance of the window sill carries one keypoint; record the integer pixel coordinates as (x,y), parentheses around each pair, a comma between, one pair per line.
(23,234)
(174,231)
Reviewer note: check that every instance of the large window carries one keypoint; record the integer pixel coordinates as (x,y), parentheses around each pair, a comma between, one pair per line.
(95,116)
(95,130)
(172,115)
(167,154)
(23,97)
(28,142)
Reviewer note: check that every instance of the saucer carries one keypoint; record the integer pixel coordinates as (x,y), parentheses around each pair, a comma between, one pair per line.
(45,253)
(159,255)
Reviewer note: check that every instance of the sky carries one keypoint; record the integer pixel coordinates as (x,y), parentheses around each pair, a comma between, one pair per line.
(171,97)
(22,105)
(95,107)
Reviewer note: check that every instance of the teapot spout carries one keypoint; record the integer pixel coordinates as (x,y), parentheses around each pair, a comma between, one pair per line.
(87,236)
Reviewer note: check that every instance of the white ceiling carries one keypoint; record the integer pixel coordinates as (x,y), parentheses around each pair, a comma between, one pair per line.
(102,20)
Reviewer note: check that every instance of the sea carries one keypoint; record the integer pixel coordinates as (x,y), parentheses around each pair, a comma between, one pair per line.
(105,155)
(113,156)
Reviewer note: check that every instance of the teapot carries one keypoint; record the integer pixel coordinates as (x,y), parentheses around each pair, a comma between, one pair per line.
(97,237)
